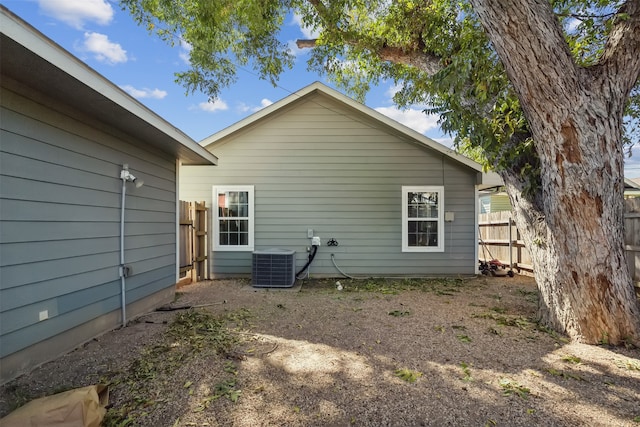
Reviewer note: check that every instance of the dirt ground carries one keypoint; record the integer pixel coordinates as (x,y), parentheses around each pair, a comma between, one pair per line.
(376,353)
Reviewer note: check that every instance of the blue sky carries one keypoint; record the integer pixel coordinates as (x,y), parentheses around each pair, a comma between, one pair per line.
(108,40)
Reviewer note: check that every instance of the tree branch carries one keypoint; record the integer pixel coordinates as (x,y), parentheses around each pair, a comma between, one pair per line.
(423,61)
(306,43)
(414,57)
(621,55)
(531,45)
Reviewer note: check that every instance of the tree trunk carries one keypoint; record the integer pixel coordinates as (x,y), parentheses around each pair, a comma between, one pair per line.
(574,226)
(575,238)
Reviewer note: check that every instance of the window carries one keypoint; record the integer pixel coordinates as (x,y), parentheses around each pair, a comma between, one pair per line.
(233,218)
(422,219)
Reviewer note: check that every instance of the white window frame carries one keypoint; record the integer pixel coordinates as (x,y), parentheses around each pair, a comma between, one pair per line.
(216,218)
(405,218)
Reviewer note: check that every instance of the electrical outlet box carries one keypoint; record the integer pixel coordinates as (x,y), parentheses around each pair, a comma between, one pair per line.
(309,233)
(43,315)
(449,216)
(315,241)
(125,271)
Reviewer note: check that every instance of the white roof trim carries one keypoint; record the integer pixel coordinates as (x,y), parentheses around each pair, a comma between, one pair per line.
(319,87)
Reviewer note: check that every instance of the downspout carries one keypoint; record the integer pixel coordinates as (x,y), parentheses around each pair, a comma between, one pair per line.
(124,270)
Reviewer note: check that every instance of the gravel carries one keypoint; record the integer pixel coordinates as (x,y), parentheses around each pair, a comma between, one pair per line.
(317,356)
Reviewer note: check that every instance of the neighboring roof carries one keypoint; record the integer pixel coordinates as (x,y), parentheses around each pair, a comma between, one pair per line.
(632,183)
(36,61)
(632,187)
(319,88)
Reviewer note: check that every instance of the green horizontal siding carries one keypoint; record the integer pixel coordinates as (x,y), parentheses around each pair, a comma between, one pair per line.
(60,195)
(322,166)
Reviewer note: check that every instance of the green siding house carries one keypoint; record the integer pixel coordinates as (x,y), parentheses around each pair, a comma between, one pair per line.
(68,246)
(383,199)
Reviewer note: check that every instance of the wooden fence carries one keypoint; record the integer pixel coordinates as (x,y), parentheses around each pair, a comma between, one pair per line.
(632,236)
(193,242)
(502,239)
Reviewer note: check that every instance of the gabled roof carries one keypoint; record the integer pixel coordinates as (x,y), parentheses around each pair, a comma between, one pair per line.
(37,62)
(319,88)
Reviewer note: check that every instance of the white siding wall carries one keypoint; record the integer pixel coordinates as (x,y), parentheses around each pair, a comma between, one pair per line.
(322,166)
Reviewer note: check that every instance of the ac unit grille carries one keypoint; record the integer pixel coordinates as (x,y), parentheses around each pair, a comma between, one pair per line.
(274,268)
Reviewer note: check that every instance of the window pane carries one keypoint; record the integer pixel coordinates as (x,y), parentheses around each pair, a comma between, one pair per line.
(422,205)
(422,233)
(427,211)
(427,226)
(234,217)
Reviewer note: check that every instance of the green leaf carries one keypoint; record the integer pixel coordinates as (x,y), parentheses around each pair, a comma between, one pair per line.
(407,375)
(463,338)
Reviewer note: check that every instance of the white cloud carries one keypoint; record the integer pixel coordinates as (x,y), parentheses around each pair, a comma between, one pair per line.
(144,92)
(76,12)
(295,50)
(103,49)
(243,108)
(185,50)
(307,32)
(445,141)
(571,25)
(393,89)
(412,118)
(263,104)
(212,107)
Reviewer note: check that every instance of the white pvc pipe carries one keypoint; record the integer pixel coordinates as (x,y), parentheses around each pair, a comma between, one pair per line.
(122,280)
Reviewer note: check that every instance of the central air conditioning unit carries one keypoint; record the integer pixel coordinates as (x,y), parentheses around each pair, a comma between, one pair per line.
(274,268)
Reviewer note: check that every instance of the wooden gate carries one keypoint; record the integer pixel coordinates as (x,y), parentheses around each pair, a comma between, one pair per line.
(193,242)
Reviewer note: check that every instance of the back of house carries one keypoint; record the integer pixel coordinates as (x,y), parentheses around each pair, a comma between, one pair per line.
(382,199)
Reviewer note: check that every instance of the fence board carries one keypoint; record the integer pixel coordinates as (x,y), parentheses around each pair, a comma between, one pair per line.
(494,232)
(193,242)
